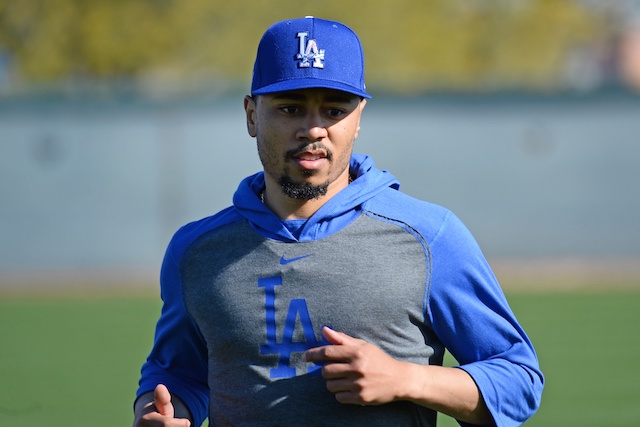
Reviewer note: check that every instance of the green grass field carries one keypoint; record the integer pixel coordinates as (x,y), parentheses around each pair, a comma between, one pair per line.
(74,361)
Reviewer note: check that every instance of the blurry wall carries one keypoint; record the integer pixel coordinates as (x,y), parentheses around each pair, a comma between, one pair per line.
(99,187)
(121,121)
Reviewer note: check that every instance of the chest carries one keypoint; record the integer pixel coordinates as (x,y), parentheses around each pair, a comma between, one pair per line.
(257,297)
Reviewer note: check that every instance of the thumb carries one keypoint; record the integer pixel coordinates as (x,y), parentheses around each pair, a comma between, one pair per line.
(162,400)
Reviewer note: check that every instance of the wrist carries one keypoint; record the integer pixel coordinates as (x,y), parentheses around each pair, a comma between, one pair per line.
(143,401)
(413,387)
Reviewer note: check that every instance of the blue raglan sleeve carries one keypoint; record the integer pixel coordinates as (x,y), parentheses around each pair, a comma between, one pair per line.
(470,314)
(178,358)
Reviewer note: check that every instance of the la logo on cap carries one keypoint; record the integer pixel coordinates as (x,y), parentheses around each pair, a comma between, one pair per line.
(308,52)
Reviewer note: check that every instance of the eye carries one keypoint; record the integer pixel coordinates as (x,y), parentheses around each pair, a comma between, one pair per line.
(290,109)
(335,112)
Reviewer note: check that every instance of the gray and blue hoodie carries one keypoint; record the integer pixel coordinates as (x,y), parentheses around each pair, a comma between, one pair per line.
(245,294)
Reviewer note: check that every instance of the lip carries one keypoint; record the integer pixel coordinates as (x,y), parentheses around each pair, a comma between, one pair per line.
(311,159)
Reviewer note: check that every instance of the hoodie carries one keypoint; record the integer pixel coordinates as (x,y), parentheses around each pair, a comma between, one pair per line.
(245,295)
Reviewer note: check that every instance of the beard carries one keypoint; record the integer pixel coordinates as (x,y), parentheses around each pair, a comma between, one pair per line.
(301,190)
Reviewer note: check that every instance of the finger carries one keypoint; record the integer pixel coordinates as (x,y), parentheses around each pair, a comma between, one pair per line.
(334,337)
(338,369)
(340,338)
(315,355)
(349,397)
(338,349)
(327,353)
(340,386)
(162,400)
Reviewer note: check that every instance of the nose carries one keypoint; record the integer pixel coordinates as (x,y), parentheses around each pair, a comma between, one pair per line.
(312,127)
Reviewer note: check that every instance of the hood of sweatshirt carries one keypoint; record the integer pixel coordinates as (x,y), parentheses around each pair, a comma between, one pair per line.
(338,212)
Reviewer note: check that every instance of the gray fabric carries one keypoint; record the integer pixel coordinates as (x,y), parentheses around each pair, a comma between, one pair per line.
(340,281)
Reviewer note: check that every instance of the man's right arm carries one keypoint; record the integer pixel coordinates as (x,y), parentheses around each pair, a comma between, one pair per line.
(178,345)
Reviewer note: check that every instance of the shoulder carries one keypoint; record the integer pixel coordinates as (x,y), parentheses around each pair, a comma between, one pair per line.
(193,231)
(427,219)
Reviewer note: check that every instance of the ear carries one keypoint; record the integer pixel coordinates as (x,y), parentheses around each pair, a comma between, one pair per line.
(361,106)
(250,111)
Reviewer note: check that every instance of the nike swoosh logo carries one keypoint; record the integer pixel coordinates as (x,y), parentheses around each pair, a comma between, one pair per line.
(284,261)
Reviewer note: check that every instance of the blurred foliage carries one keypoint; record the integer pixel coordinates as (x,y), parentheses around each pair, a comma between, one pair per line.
(410,45)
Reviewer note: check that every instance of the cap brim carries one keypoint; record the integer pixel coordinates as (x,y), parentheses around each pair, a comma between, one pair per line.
(309,83)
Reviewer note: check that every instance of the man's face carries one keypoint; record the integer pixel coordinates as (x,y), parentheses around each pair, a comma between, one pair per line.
(305,138)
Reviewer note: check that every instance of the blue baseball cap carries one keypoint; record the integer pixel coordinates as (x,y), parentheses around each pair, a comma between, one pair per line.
(309,53)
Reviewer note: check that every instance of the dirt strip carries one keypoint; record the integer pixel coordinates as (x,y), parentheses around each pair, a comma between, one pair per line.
(515,275)
(566,274)
(80,282)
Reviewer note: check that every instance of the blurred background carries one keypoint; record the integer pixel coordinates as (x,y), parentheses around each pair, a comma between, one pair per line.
(122,120)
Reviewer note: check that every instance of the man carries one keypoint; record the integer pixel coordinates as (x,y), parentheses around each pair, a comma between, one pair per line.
(325,296)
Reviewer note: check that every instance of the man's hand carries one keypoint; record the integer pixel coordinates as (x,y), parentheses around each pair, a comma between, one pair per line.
(157,410)
(358,372)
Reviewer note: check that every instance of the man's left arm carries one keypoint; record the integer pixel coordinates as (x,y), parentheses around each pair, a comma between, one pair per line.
(469,313)
(360,373)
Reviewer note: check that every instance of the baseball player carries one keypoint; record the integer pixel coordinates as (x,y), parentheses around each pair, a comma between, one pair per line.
(324,295)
